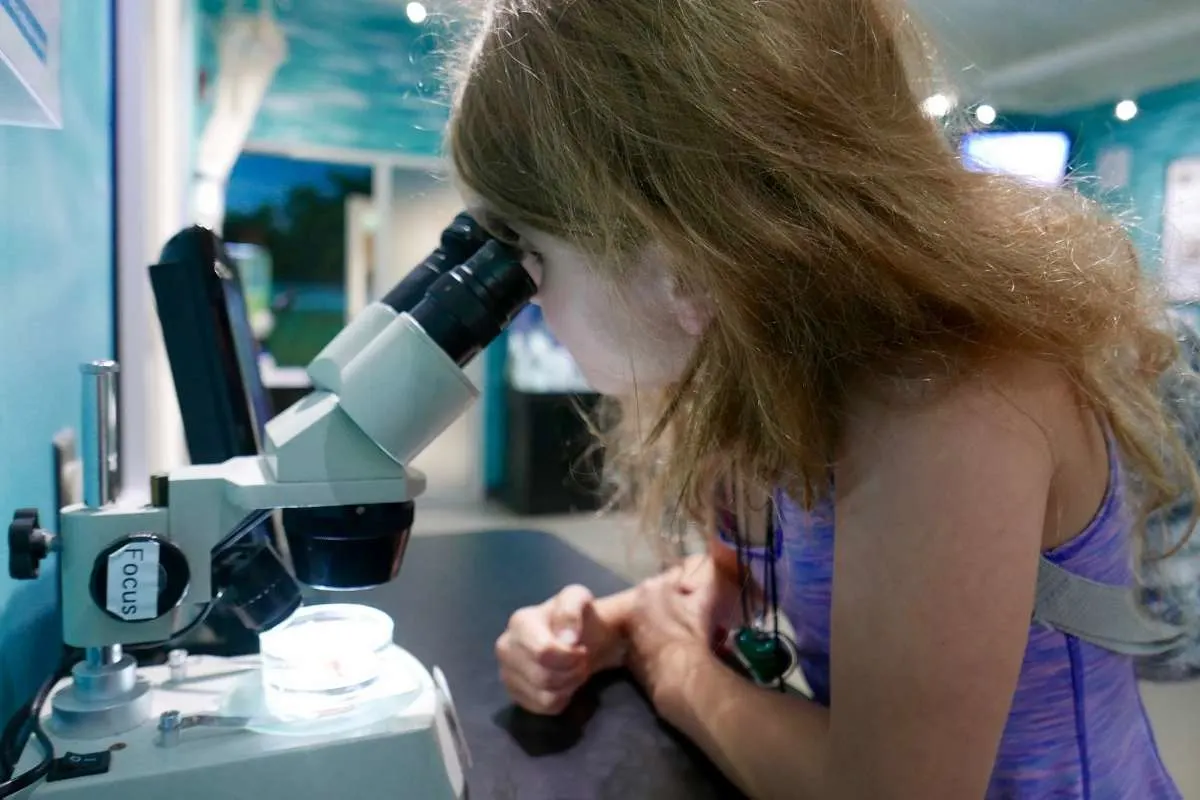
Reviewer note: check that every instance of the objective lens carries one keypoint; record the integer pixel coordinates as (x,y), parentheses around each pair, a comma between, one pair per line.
(348,547)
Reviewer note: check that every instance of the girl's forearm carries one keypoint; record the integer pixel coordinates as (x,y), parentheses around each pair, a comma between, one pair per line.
(771,745)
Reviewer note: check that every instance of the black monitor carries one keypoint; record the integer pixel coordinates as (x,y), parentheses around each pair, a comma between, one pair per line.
(212,350)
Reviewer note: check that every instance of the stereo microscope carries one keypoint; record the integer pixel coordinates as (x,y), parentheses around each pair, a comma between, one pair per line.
(330,707)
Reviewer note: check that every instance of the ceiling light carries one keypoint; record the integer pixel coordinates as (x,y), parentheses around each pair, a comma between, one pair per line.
(985,114)
(416,13)
(1126,110)
(937,105)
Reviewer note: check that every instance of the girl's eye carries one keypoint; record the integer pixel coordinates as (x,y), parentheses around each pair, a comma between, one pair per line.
(499,231)
(507,235)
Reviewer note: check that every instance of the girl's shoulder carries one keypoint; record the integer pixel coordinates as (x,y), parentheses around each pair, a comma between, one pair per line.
(1018,408)
(1011,392)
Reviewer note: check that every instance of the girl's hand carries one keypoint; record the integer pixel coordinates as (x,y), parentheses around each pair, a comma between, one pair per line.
(550,650)
(678,618)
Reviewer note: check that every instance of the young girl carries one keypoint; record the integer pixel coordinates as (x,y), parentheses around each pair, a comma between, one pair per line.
(742,225)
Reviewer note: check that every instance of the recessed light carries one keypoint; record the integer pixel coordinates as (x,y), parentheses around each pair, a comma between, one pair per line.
(985,114)
(416,13)
(937,105)
(1126,110)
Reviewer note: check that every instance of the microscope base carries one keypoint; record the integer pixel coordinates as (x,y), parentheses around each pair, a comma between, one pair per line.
(101,700)
(411,753)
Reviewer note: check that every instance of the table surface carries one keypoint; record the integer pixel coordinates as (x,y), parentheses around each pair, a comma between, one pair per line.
(453,597)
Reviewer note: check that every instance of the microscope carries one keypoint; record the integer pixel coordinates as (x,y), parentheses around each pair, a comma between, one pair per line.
(330,707)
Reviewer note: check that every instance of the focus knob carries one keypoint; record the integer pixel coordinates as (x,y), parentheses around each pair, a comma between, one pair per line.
(28,545)
(139,577)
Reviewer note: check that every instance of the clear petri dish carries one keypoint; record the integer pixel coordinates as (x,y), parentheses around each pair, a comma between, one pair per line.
(323,653)
(402,681)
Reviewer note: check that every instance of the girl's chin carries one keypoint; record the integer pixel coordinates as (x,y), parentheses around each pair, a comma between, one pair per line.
(606,383)
(622,385)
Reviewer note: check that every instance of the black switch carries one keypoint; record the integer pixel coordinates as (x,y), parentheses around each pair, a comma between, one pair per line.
(75,765)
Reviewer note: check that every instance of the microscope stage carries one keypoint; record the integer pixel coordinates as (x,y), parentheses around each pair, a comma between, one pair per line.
(407,750)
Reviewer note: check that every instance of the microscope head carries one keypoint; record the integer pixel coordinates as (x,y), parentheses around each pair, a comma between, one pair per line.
(384,389)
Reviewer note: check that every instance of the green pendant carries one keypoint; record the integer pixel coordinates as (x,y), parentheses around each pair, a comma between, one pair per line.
(763,655)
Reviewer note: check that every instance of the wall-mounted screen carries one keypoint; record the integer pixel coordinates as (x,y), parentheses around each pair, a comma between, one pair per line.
(1037,156)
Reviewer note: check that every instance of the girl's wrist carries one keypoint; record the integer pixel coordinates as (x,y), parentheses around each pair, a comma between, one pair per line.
(693,668)
(614,613)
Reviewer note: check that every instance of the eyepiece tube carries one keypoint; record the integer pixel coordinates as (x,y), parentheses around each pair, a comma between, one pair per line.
(461,239)
(468,307)
(461,331)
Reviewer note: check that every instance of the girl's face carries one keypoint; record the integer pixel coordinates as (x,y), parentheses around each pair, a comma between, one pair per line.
(638,335)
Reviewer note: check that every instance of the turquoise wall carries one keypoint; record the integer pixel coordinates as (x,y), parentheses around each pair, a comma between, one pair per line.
(358,75)
(56,277)
(1166,128)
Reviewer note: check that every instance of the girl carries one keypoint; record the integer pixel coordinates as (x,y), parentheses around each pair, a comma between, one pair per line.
(742,224)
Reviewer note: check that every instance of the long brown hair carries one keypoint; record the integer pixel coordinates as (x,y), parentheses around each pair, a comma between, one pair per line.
(778,152)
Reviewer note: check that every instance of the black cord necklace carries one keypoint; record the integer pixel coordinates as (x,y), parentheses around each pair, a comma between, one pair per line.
(758,644)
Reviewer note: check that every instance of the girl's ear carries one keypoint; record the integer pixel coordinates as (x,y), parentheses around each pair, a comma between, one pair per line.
(692,312)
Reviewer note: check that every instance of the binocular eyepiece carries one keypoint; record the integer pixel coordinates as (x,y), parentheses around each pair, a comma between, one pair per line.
(466,291)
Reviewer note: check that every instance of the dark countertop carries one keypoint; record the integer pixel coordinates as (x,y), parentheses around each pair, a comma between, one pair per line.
(452,599)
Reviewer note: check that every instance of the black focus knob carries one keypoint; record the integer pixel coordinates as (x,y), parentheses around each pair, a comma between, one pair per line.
(28,544)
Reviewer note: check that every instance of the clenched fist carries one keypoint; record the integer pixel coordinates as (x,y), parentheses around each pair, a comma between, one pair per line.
(550,650)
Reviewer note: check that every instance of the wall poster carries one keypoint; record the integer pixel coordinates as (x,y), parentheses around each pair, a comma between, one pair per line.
(1181,231)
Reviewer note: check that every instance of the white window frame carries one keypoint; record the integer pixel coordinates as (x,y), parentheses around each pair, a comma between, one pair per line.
(155,91)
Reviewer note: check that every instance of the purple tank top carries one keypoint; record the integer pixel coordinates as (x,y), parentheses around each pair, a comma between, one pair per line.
(1077,727)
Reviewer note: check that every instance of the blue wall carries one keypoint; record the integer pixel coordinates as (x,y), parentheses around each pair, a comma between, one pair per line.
(1166,128)
(56,276)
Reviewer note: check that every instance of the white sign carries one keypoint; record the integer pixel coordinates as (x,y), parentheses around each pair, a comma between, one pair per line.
(132,591)
(29,63)
(1181,231)
(1112,167)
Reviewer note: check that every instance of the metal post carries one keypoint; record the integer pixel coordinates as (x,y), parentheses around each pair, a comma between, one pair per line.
(105,656)
(98,437)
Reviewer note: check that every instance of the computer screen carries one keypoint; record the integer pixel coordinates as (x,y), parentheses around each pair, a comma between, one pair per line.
(247,355)
(1037,156)
(211,348)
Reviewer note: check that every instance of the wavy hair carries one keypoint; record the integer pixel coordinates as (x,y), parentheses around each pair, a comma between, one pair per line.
(777,151)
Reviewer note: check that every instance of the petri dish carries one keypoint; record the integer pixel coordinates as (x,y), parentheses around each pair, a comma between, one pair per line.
(401,683)
(323,654)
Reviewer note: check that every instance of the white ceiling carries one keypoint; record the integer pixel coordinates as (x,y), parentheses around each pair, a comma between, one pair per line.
(1056,55)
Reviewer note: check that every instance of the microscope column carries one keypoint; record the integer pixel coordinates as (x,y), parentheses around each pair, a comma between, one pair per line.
(98,437)
(99,446)
(96,657)
(105,696)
